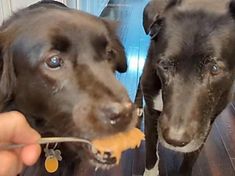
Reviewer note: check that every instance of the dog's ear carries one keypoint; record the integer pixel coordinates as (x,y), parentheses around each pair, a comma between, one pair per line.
(115,50)
(117,53)
(7,75)
(153,15)
(232,8)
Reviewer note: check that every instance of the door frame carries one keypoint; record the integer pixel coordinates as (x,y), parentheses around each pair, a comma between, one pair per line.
(5,9)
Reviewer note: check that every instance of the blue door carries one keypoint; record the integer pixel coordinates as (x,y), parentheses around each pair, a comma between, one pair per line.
(94,7)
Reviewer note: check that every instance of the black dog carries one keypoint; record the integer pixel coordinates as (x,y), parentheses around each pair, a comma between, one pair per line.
(57,67)
(191,64)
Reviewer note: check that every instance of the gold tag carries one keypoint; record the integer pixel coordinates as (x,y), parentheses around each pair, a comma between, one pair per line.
(51,164)
(52,159)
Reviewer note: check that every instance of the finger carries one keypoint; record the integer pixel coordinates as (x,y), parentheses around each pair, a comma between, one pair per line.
(14,128)
(10,164)
(30,154)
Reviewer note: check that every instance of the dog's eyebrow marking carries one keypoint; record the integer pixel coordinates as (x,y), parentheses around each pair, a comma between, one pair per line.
(60,43)
(206,5)
(173,3)
(99,44)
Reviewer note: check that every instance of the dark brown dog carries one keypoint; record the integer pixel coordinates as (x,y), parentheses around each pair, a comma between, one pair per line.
(57,68)
(191,64)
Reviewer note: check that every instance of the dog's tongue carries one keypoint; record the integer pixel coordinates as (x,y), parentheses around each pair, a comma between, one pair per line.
(114,145)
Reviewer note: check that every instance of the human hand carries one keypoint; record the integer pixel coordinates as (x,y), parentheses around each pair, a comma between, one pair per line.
(15,129)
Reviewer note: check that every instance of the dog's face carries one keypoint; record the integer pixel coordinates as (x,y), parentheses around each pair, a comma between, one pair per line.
(61,73)
(196,66)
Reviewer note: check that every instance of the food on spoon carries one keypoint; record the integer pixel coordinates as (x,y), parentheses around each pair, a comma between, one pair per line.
(116,144)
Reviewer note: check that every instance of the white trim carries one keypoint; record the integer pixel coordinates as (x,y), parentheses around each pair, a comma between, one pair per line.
(5,6)
(1,15)
(78,4)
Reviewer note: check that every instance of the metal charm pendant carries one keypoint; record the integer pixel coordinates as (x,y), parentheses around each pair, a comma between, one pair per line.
(52,159)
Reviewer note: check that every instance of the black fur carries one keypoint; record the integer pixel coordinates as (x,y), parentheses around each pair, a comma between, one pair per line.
(191,59)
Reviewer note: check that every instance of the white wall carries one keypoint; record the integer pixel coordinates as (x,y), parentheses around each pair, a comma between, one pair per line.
(19,4)
(94,7)
(1,16)
(7,6)
(5,9)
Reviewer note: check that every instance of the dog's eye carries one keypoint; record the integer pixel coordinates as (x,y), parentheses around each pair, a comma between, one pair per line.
(54,62)
(164,65)
(215,70)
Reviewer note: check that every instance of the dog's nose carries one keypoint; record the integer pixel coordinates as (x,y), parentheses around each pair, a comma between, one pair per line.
(177,138)
(114,112)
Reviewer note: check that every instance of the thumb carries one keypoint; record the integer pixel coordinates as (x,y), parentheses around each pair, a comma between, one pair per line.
(15,129)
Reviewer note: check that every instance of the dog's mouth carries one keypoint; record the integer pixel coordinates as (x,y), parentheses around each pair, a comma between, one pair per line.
(104,161)
(107,151)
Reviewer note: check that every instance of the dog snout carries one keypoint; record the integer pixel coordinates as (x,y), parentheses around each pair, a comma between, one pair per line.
(178,130)
(117,113)
(176,137)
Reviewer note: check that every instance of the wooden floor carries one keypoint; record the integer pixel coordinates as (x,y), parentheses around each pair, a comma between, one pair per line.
(217,157)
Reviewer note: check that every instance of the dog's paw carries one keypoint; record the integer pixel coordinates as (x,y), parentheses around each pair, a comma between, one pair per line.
(152,172)
(140,112)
